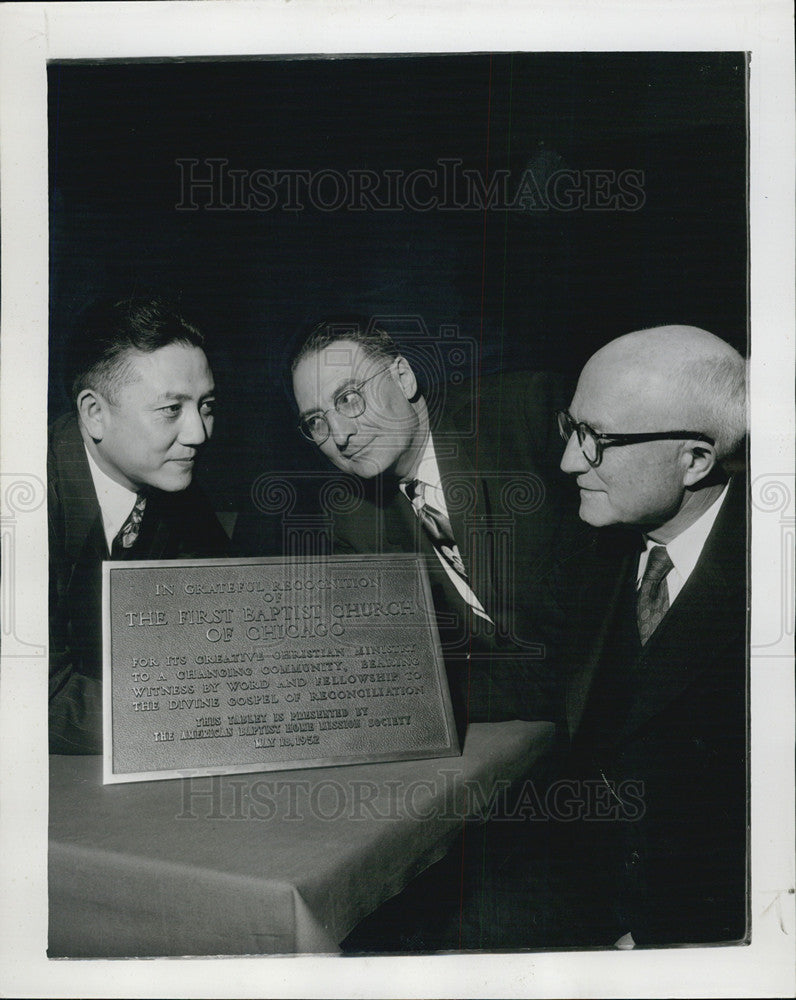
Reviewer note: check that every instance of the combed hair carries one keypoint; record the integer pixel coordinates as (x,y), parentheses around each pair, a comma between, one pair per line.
(98,355)
(373,341)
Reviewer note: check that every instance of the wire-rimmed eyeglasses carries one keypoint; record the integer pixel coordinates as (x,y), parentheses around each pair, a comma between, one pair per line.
(349,402)
(593,444)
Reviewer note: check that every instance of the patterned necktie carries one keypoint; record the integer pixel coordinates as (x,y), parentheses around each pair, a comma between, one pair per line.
(653,594)
(438,527)
(130,530)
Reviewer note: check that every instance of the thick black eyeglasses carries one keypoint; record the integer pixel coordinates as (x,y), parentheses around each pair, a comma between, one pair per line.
(349,402)
(593,444)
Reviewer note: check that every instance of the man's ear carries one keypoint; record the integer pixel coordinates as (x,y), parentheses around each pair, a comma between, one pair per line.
(701,459)
(91,412)
(405,377)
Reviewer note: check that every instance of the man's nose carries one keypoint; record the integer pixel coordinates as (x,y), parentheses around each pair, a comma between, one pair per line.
(573,460)
(341,428)
(195,428)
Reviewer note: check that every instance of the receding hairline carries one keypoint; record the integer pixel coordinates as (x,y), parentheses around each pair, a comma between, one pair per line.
(681,374)
(335,345)
(374,342)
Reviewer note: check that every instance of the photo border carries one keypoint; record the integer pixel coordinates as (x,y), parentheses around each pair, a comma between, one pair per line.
(34,33)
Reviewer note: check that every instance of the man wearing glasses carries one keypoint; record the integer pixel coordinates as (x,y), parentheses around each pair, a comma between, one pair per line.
(445,493)
(656,657)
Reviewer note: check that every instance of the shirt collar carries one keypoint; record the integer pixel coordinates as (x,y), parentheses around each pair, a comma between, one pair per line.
(427,468)
(427,471)
(686,548)
(115,501)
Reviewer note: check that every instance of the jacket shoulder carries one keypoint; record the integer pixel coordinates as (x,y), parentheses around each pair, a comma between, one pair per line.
(63,437)
(509,393)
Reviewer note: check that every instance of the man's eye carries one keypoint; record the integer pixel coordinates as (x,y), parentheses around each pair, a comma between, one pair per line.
(315,423)
(208,408)
(172,410)
(348,399)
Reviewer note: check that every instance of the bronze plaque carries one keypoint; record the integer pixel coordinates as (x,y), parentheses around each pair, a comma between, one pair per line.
(215,666)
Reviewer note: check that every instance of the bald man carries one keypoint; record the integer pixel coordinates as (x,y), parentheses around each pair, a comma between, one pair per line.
(644,840)
(656,686)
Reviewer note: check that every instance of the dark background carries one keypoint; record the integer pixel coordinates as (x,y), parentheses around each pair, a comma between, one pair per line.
(514,289)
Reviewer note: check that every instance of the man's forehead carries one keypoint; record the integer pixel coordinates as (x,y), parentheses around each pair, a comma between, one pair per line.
(596,387)
(171,366)
(340,355)
(332,367)
(618,394)
(343,359)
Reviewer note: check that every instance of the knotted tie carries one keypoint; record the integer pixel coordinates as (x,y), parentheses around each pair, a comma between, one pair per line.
(130,530)
(438,527)
(653,594)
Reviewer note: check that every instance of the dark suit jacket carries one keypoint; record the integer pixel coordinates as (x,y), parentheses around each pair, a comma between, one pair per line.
(667,725)
(510,508)
(175,525)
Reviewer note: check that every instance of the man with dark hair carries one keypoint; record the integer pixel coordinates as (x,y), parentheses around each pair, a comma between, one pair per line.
(120,472)
(475,488)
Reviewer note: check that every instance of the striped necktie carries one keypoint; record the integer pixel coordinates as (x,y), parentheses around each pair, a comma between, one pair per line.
(437,526)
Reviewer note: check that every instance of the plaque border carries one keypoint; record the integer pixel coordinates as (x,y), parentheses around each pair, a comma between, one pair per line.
(111,777)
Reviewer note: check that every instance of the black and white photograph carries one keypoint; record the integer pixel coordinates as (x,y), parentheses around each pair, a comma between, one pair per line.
(413,509)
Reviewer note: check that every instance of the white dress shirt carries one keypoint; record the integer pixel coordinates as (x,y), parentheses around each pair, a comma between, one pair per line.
(684,550)
(115,500)
(428,472)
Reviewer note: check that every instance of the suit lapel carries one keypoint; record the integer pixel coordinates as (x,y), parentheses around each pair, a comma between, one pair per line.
(704,619)
(78,498)
(467,497)
(462,488)
(82,519)
(601,601)
(156,534)
(400,523)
